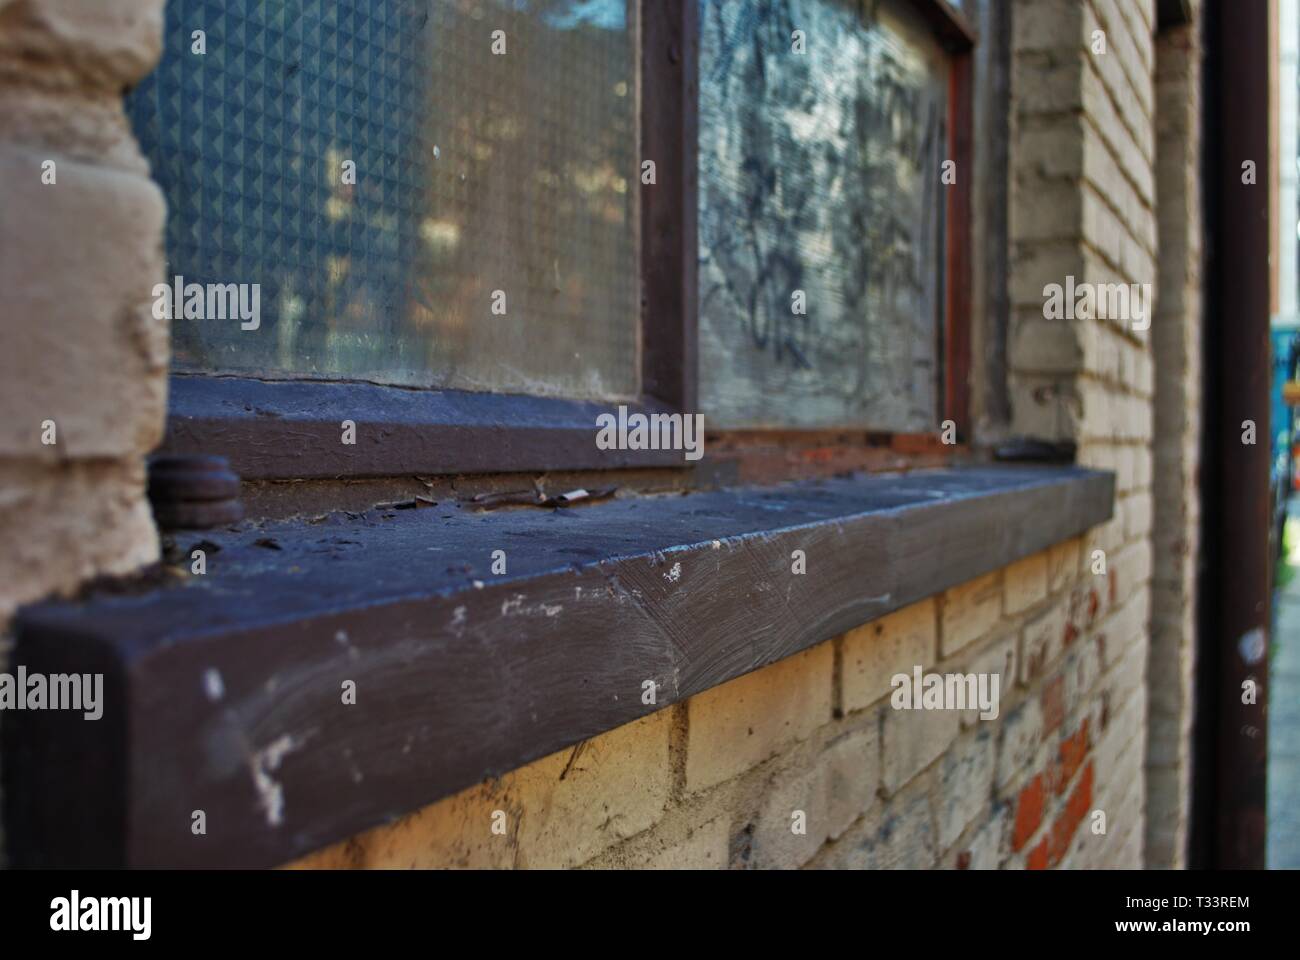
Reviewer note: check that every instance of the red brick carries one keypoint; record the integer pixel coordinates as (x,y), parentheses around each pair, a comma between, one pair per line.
(1069,819)
(1053,704)
(1037,859)
(1029,812)
(1072,751)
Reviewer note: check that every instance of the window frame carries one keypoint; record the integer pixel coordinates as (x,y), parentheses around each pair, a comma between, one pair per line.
(291,429)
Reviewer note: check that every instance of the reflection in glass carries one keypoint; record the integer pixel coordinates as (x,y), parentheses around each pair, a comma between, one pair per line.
(820,214)
(475,172)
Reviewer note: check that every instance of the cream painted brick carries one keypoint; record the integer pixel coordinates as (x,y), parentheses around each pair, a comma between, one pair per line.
(1047,86)
(1043,639)
(1047,25)
(1118,762)
(1022,730)
(1123,145)
(1137,516)
(1139,371)
(1113,417)
(94,131)
(50,547)
(1125,104)
(1103,170)
(1046,210)
(875,652)
(988,845)
(1104,357)
(741,723)
(1024,583)
(1126,625)
(1122,66)
(1046,346)
(575,803)
(1045,147)
(1082,672)
(853,769)
(898,836)
(1132,569)
(1045,407)
(560,811)
(995,659)
(1122,707)
(776,845)
(1123,462)
(1110,235)
(911,740)
(965,783)
(1034,266)
(1137,30)
(705,848)
(905,839)
(70,43)
(840,788)
(1106,537)
(1130,52)
(1063,564)
(454,833)
(78,291)
(969,611)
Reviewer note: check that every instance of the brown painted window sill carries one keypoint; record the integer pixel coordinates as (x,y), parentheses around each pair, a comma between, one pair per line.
(224,692)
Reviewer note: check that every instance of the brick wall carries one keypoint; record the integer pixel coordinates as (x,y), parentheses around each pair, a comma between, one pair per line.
(1084,203)
(1058,778)
(717,781)
(79,347)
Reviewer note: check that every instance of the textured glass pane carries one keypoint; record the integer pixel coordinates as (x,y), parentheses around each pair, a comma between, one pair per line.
(820,177)
(475,172)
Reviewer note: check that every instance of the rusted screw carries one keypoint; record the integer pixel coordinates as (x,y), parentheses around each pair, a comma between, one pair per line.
(193,492)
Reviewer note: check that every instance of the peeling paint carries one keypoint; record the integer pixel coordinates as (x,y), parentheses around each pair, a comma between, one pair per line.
(270,794)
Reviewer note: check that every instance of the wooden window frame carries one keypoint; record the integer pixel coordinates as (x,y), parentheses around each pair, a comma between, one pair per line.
(290,429)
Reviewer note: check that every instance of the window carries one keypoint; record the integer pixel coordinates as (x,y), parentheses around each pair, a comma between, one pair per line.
(419,204)
(531,210)
(822,134)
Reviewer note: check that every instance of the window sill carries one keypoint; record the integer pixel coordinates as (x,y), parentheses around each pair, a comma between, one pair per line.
(223,692)
(293,429)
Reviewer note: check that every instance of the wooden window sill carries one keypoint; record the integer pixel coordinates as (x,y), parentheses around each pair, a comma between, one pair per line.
(223,692)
